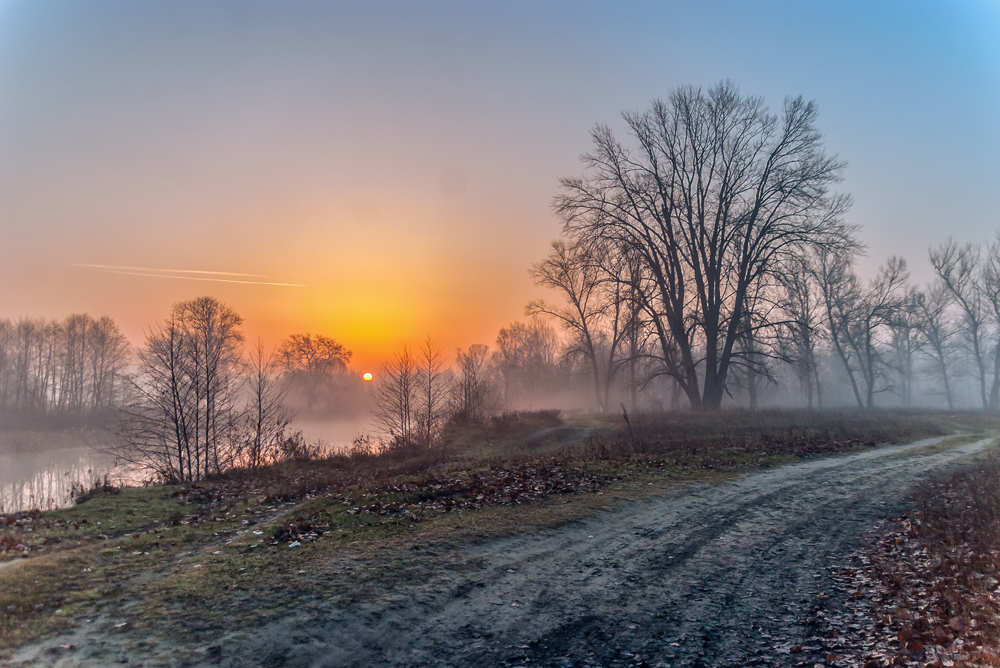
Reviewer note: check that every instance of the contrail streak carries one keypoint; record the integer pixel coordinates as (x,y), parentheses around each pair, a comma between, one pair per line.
(199,278)
(170,271)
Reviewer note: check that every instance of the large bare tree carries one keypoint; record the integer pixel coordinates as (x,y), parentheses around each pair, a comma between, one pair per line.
(713,193)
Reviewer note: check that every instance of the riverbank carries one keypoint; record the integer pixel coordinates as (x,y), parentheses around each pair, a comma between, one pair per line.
(242,550)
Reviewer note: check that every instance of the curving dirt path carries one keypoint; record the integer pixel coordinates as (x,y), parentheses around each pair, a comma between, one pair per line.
(709,575)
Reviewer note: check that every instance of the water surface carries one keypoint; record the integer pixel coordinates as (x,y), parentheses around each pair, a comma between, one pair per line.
(41,469)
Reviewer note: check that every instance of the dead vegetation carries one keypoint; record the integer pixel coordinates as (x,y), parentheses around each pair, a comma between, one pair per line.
(929,583)
(492,477)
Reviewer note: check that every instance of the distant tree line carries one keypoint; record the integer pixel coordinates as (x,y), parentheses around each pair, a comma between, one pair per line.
(76,366)
(816,336)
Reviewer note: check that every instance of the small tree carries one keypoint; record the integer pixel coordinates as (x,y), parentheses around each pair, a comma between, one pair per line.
(473,392)
(432,392)
(396,408)
(264,420)
(182,423)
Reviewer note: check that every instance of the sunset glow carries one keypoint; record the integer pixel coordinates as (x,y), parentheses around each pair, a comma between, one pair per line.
(263,156)
(593,250)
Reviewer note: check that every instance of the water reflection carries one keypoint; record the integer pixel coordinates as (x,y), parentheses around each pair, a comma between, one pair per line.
(40,470)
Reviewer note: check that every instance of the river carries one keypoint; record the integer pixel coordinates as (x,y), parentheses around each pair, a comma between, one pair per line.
(40,468)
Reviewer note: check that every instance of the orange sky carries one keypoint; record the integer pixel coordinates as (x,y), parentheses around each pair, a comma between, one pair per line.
(398,159)
(374,273)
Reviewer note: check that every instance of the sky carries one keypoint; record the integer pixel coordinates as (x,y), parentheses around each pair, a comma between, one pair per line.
(383,171)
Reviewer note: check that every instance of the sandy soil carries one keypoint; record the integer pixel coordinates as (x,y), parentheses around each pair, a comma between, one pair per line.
(730,574)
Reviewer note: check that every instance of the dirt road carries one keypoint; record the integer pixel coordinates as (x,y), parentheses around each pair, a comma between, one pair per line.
(710,575)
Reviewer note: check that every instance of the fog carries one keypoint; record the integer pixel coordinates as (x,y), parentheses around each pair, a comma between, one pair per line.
(41,467)
(744,293)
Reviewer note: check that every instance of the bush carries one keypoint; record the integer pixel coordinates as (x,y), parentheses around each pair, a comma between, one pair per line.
(519,420)
(101,486)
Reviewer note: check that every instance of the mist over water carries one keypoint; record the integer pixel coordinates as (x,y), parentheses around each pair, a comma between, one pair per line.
(335,434)
(39,468)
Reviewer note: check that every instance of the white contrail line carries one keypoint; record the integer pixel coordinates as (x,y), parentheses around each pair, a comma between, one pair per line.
(198,278)
(170,271)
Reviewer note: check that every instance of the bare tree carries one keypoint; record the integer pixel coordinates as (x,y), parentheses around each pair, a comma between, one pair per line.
(181,426)
(108,359)
(959,268)
(841,292)
(801,328)
(396,408)
(602,311)
(473,395)
(265,419)
(432,392)
(906,341)
(717,194)
(572,269)
(411,396)
(935,326)
(991,293)
(855,317)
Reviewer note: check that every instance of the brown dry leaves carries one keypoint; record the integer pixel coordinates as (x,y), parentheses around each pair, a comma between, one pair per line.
(926,591)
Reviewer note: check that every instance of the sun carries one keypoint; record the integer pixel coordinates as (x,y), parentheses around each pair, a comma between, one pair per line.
(367,376)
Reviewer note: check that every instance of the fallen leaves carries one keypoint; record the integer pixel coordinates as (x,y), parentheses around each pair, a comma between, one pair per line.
(15,529)
(927,587)
(495,486)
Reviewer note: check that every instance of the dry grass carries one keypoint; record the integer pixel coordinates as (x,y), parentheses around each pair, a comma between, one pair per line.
(217,555)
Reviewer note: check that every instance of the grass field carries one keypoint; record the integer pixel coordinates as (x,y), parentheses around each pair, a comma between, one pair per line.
(241,548)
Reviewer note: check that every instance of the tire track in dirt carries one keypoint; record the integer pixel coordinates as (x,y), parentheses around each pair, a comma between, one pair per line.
(695,578)
(706,575)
